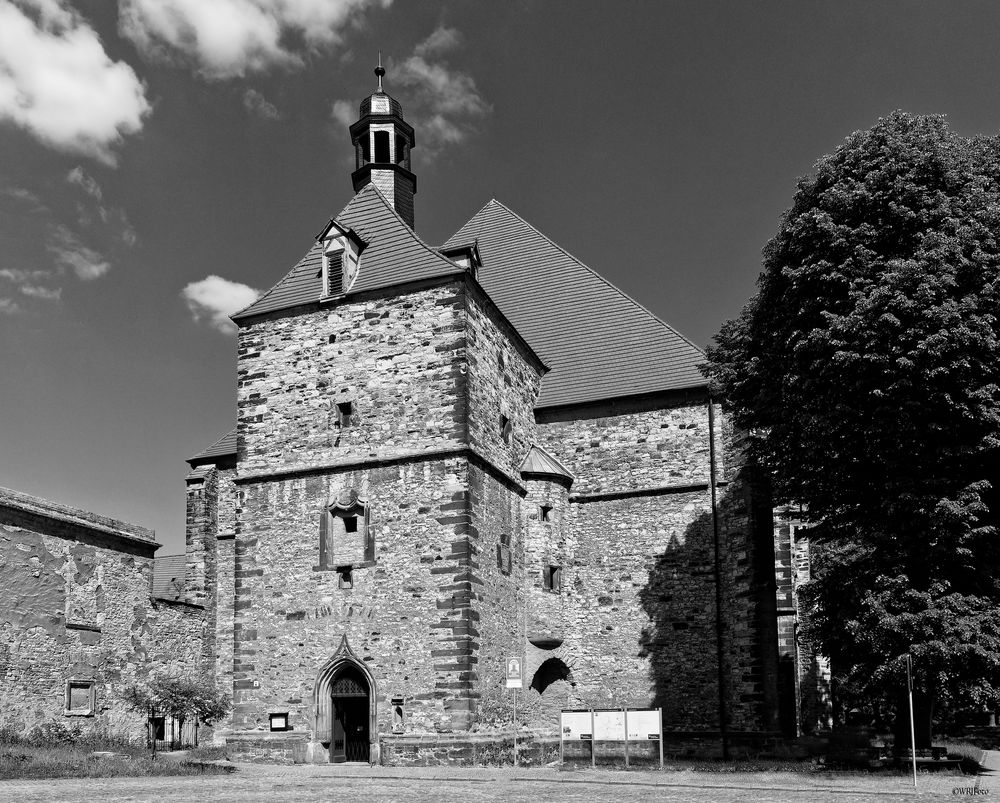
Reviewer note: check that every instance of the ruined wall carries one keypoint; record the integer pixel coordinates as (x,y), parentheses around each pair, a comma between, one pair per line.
(77,608)
(398,362)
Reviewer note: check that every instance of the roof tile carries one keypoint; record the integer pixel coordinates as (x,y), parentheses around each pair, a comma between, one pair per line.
(598,342)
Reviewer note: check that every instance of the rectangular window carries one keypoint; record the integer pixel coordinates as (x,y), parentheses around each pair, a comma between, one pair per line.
(552,578)
(80,698)
(345,414)
(345,577)
(545,512)
(350,524)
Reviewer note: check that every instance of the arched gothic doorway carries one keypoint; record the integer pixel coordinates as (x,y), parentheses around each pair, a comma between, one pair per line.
(345,708)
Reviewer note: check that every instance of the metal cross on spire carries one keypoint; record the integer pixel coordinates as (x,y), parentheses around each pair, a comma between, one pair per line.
(380,71)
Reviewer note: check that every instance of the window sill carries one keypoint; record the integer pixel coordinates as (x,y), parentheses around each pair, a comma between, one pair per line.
(335,567)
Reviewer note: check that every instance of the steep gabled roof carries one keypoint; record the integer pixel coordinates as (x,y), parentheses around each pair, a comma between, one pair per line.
(223,447)
(394,255)
(598,342)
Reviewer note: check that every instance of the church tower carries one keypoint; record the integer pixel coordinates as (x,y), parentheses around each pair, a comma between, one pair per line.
(382,142)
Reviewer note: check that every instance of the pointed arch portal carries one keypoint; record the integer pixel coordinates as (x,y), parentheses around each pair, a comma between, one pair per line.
(345,707)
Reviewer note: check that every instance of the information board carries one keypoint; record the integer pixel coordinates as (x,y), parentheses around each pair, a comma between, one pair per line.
(643,724)
(575,725)
(609,726)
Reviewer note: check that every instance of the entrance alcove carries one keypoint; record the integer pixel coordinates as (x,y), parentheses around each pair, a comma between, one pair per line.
(345,698)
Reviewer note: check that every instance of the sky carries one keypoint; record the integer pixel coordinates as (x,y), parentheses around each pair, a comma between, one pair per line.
(163,161)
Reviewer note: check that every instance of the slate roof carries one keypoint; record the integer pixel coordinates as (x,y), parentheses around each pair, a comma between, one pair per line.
(598,342)
(168,576)
(223,447)
(395,254)
(539,462)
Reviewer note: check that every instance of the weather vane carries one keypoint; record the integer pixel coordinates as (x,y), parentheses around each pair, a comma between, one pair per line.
(380,71)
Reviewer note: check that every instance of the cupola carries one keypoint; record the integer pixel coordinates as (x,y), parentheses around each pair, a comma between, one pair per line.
(382,142)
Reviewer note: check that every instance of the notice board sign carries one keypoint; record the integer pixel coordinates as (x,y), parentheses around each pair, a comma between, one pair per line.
(575,725)
(514,673)
(644,725)
(609,725)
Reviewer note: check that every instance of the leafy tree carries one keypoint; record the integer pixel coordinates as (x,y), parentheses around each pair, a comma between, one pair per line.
(866,371)
(179,697)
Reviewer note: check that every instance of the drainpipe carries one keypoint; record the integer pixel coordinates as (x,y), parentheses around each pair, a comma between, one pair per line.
(723,713)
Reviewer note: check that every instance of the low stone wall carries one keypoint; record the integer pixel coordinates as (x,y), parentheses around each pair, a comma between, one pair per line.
(497,749)
(742,745)
(470,749)
(264,747)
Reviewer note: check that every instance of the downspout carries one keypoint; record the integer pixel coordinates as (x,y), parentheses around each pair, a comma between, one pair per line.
(723,713)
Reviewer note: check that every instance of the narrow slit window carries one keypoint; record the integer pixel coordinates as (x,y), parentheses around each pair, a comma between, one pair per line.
(545,512)
(503,554)
(552,578)
(505,428)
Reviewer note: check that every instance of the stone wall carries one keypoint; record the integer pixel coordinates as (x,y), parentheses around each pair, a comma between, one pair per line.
(636,618)
(407,616)
(399,363)
(77,608)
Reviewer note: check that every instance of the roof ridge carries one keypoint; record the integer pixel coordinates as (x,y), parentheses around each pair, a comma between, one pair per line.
(600,276)
(408,228)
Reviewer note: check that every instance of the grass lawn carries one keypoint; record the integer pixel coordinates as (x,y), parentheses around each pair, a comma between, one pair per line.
(27,758)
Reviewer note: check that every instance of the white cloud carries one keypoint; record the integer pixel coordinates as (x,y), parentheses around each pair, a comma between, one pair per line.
(58,83)
(441,40)
(87,183)
(216,299)
(25,196)
(70,253)
(19,276)
(44,293)
(256,103)
(343,112)
(446,101)
(230,38)
(8,306)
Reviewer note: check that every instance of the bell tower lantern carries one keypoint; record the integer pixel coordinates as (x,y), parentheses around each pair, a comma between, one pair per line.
(382,142)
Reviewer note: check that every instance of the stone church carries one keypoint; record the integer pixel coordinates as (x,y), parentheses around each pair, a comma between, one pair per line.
(446,456)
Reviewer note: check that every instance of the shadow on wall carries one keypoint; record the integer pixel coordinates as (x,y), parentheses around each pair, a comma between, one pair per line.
(552,690)
(680,640)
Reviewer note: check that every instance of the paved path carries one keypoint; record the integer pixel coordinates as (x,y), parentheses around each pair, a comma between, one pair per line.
(256,782)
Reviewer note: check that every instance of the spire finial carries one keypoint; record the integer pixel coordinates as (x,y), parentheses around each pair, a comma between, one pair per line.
(380,71)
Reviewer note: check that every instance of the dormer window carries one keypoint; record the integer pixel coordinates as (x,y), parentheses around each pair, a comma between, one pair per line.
(465,256)
(341,257)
